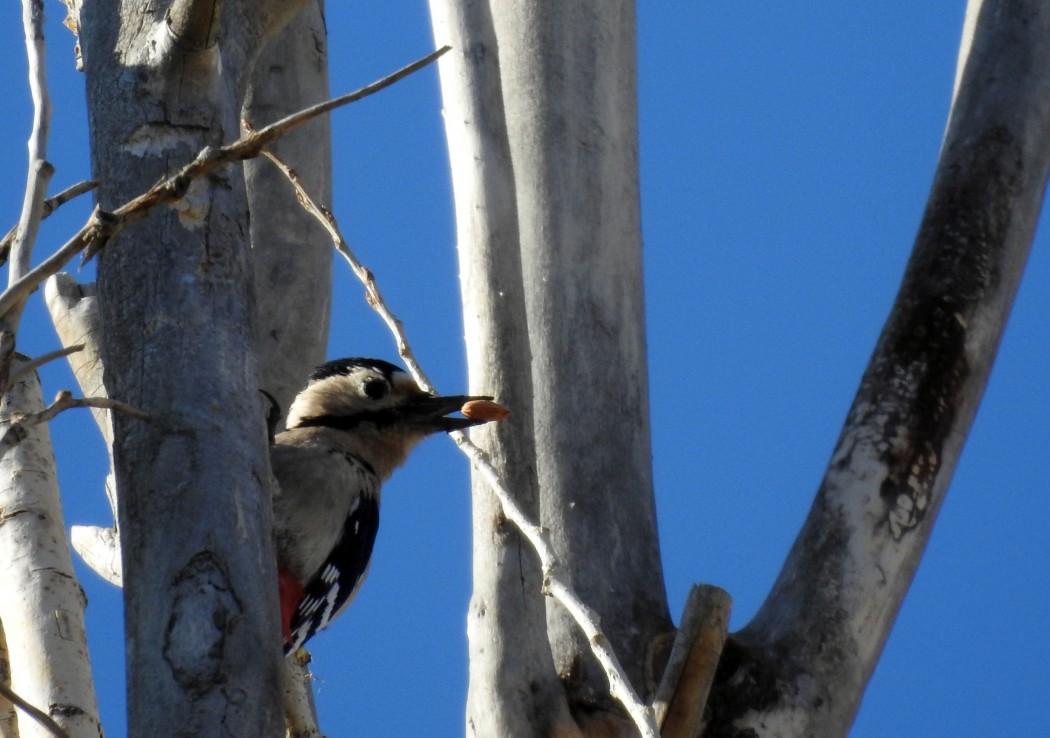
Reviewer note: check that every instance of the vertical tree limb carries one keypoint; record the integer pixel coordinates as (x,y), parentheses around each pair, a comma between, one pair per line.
(811,649)
(41,603)
(38,176)
(74,312)
(681,698)
(299,711)
(568,80)
(291,254)
(13,698)
(175,292)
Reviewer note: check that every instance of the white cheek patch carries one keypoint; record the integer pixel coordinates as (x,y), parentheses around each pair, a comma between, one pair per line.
(404,384)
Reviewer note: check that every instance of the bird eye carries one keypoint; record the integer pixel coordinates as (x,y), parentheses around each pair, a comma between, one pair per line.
(376,388)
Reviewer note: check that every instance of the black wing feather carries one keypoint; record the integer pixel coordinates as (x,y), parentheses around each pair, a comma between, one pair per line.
(330,590)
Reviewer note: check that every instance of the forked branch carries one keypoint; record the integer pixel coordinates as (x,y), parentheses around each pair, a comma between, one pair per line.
(51,204)
(102,226)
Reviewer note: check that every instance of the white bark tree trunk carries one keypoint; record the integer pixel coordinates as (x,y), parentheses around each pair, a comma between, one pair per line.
(44,653)
(570,95)
(41,603)
(540,110)
(514,690)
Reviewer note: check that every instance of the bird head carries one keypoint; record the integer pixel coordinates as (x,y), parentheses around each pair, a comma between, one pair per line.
(378,404)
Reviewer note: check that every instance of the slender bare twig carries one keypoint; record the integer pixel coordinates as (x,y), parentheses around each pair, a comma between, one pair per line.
(363,273)
(556,586)
(34,364)
(51,204)
(40,170)
(18,429)
(37,179)
(34,712)
(555,583)
(102,226)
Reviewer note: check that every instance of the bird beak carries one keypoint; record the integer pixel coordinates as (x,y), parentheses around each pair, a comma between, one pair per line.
(430,413)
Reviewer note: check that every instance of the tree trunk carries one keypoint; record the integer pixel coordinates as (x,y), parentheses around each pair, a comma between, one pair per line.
(41,603)
(178,314)
(291,252)
(542,125)
(514,690)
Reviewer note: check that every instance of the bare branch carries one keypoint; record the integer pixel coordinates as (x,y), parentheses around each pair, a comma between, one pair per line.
(555,584)
(821,629)
(40,170)
(74,312)
(102,226)
(37,714)
(682,695)
(39,174)
(299,712)
(363,273)
(34,364)
(17,431)
(51,204)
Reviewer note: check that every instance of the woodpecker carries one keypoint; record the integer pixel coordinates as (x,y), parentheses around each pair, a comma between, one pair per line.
(348,429)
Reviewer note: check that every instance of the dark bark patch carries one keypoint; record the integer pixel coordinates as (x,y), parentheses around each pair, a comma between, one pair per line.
(914,387)
(743,683)
(205,611)
(60,710)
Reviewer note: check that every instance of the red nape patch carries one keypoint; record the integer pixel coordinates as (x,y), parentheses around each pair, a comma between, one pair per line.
(290,592)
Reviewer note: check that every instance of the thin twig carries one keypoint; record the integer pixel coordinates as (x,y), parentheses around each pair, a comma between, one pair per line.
(19,429)
(102,226)
(363,273)
(51,204)
(34,712)
(34,364)
(37,178)
(555,584)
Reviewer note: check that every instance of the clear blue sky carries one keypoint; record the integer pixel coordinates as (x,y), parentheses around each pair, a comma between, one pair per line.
(787,151)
